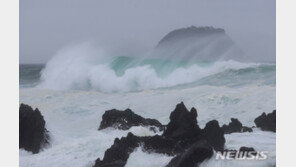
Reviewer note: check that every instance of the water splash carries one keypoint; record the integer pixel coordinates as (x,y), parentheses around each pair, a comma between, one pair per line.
(84,67)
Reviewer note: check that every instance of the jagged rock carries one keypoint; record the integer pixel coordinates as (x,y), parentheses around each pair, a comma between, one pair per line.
(266,122)
(32,132)
(126,119)
(118,153)
(235,126)
(183,124)
(182,133)
(196,154)
(214,135)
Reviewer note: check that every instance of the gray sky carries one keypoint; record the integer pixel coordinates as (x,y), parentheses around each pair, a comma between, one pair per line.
(135,26)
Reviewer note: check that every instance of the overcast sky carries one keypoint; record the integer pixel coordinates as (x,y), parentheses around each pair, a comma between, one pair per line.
(135,26)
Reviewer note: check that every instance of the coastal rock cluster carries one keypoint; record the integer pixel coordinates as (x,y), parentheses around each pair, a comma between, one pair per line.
(182,137)
(33,135)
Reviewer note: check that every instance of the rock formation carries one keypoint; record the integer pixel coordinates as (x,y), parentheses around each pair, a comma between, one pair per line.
(126,119)
(182,137)
(266,122)
(33,135)
(235,126)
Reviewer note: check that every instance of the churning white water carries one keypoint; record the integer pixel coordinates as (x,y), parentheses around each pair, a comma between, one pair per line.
(73,118)
(79,84)
(86,68)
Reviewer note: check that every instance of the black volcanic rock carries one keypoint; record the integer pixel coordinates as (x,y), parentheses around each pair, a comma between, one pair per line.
(32,132)
(126,119)
(235,126)
(118,153)
(214,135)
(182,133)
(196,154)
(162,145)
(183,124)
(247,129)
(266,122)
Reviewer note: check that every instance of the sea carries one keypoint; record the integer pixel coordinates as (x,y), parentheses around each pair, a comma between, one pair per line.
(76,87)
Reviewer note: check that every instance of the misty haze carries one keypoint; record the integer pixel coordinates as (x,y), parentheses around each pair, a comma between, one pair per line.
(147,83)
(135,27)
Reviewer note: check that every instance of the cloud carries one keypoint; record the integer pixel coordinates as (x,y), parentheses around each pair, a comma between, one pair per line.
(135,26)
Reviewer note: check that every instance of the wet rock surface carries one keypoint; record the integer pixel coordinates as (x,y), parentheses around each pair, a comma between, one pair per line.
(126,119)
(266,122)
(33,135)
(196,154)
(235,126)
(214,135)
(182,137)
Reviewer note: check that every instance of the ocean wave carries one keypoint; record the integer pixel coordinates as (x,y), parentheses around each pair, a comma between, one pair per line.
(85,68)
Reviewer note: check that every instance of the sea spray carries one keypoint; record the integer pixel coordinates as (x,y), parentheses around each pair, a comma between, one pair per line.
(84,67)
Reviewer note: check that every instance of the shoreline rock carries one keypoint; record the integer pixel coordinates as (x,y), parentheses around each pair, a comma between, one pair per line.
(196,154)
(33,135)
(182,137)
(235,126)
(124,120)
(266,122)
(214,135)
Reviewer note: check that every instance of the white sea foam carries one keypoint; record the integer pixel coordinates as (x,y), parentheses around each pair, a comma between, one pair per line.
(259,140)
(144,159)
(73,118)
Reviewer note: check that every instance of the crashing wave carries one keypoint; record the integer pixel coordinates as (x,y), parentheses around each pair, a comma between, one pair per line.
(183,56)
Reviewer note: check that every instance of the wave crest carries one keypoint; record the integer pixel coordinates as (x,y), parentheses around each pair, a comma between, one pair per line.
(83,67)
